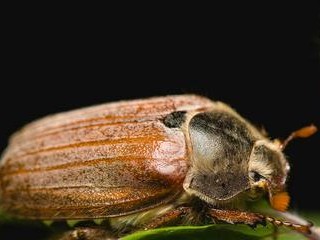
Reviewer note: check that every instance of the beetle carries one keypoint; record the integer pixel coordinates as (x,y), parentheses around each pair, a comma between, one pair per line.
(144,164)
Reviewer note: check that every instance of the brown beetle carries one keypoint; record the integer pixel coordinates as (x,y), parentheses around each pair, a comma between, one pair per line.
(144,163)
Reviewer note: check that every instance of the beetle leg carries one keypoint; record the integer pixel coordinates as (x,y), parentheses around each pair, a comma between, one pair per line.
(168,217)
(305,229)
(233,216)
(87,233)
(253,219)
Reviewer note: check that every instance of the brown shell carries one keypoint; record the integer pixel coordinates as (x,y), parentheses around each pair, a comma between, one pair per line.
(102,161)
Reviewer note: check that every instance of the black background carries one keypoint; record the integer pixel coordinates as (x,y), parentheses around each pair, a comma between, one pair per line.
(262,60)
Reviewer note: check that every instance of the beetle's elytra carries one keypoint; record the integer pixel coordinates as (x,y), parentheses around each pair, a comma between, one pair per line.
(127,160)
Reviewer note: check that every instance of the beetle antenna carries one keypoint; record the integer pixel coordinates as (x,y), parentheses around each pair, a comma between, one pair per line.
(301,133)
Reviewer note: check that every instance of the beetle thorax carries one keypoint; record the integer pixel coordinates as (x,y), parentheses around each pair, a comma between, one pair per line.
(221,143)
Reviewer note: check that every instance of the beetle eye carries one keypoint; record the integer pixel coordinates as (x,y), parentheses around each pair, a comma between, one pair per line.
(255,176)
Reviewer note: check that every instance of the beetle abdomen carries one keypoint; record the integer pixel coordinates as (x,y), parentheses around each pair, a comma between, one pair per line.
(108,160)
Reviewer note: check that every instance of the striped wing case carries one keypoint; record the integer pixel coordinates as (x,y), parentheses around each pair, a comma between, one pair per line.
(102,161)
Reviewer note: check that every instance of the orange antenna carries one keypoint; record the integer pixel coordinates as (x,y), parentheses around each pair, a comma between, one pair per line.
(301,133)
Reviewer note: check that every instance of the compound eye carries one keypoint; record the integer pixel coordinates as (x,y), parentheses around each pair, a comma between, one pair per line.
(256,177)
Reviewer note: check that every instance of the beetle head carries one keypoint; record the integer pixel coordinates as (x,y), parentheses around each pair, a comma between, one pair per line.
(268,170)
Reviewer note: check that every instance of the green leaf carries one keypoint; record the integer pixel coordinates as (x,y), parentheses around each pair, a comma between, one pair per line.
(217,231)
(9,227)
